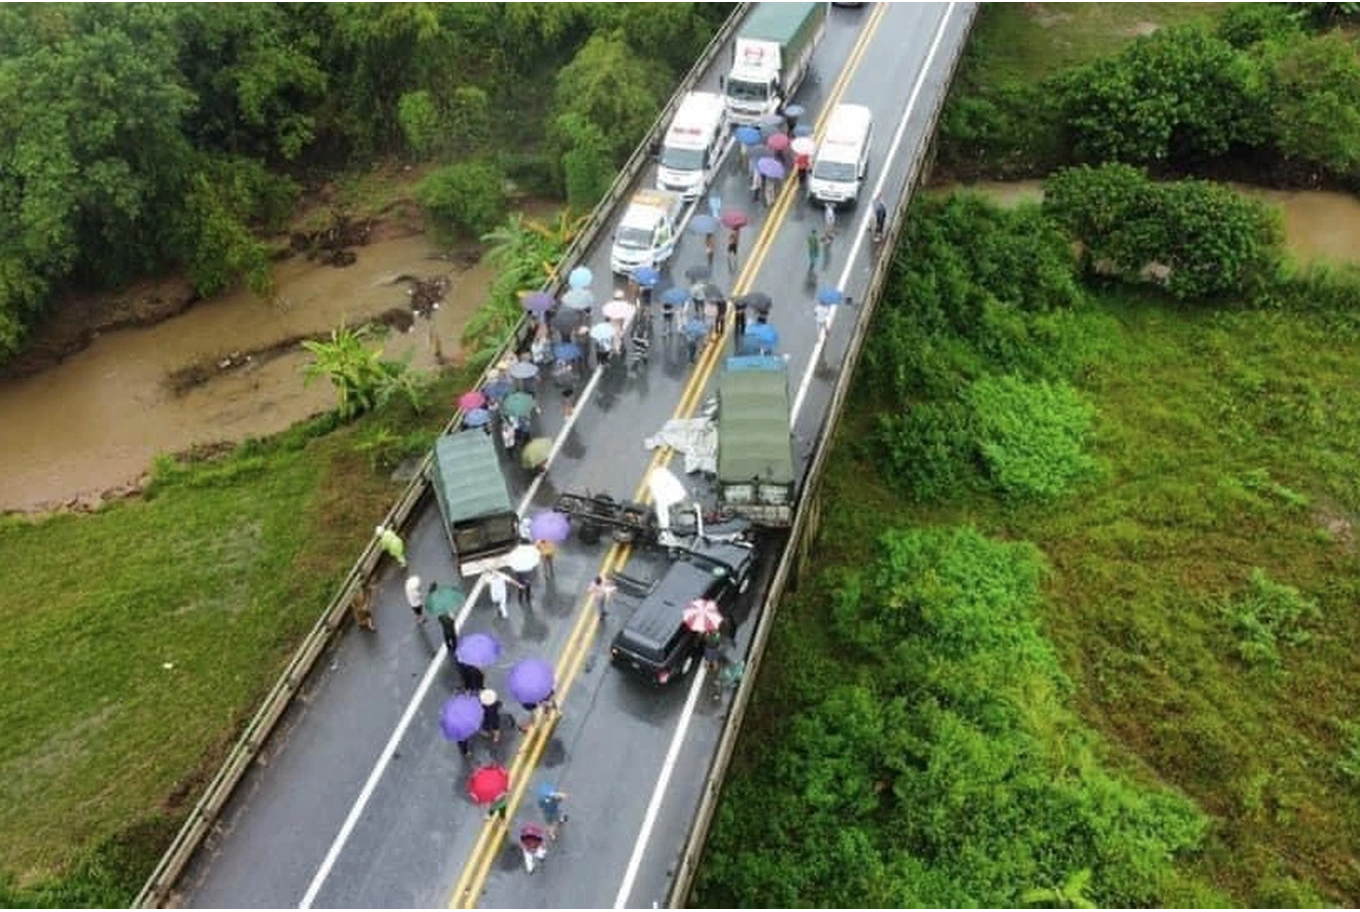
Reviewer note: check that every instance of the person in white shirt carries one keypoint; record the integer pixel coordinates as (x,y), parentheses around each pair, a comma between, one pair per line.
(415,597)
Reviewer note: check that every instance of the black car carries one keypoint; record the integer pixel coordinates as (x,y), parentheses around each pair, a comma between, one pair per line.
(655,643)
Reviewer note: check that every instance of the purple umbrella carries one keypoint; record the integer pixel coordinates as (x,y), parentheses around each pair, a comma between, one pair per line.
(538,302)
(478,650)
(771,168)
(461,717)
(530,680)
(550,526)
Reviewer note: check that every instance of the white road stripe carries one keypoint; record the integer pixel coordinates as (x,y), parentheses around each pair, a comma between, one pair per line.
(687,714)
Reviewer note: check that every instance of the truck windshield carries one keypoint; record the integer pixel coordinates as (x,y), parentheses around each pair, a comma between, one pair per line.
(636,238)
(841,172)
(741,90)
(682,159)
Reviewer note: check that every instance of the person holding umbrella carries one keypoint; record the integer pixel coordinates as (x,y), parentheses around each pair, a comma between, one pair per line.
(738,321)
(442,602)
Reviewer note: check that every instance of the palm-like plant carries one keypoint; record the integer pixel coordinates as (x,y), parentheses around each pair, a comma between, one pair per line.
(362,380)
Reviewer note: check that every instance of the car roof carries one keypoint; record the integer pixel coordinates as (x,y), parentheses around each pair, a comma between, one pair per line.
(653,623)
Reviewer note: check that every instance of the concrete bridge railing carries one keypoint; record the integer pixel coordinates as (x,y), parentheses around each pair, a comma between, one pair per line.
(206,811)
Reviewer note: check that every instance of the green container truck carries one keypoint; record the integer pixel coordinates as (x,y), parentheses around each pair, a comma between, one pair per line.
(474,500)
(756,474)
(770,57)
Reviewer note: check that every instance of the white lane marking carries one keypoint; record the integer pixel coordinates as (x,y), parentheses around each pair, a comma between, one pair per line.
(687,714)
(427,681)
(864,218)
(662,782)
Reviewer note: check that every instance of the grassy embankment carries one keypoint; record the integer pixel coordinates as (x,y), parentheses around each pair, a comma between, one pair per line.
(1226,438)
(140,637)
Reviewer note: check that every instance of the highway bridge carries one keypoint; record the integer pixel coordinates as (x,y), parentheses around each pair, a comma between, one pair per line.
(346,794)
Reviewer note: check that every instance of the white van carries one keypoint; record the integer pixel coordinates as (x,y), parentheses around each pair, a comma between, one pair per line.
(693,143)
(647,232)
(839,166)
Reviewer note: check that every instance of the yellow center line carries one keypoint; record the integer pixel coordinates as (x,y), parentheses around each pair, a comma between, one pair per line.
(484,851)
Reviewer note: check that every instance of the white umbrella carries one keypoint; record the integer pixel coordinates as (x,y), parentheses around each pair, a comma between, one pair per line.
(618,309)
(602,332)
(702,616)
(523,559)
(804,145)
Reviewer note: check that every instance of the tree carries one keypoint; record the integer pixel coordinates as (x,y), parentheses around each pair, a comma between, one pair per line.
(420,122)
(1071,895)
(614,89)
(468,196)
(1315,101)
(362,380)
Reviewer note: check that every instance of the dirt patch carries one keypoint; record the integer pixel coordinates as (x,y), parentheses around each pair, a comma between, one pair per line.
(1338,526)
(1045,15)
(1140,29)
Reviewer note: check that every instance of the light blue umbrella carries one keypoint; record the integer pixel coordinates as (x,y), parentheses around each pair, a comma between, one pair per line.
(747,136)
(830,296)
(674,296)
(759,337)
(578,299)
(646,276)
(476,418)
(580,277)
(803,129)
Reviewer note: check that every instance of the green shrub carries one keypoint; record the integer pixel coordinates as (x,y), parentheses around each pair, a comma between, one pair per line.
(1315,100)
(467,197)
(930,450)
(1267,616)
(1245,24)
(469,120)
(1032,436)
(421,122)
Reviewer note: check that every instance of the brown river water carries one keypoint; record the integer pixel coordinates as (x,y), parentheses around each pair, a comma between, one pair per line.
(94,422)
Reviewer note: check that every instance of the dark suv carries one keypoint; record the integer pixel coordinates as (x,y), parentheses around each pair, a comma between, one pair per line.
(655,643)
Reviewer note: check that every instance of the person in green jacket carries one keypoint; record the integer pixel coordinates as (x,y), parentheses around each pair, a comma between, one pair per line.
(391,542)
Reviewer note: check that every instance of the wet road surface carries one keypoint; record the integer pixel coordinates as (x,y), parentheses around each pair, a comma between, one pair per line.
(313,821)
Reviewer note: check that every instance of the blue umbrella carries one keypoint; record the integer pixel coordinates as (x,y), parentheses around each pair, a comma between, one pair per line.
(794,110)
(803,129)
(646,276)
(770,122)
(703,223)
(759,337)
(747,136)
(476,418)
(830,296)
(530,680)
(538,302)
(566,351)
(674,296)
(696,329)
(580,277)
(461,717)
(523,370)
(497,389)
(770,167)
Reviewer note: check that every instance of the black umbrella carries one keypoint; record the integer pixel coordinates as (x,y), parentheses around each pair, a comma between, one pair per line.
(698,272)
(566,321)
(757,300)
(713,292)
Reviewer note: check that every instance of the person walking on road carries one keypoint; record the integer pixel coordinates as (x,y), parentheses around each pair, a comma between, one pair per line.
(822,315)
(363,608)
(495,585)
(814,248)
(448,628)
(550,803)
(471,676)
(391,542)
(524,579)
(709,248)
(491,714)
(603,589)
(546,551)
(829,217)
(733,239)
(880,216)
(738,322)
(415,597)
(533,843)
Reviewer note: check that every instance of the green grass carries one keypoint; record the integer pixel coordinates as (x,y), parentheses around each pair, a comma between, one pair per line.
(139,638)
(1228,444)
(1029,41)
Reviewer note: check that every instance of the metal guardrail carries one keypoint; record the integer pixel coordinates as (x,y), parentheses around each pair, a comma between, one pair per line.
(203,816)
(803,524)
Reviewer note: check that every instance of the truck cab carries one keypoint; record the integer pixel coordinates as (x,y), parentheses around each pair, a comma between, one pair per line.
(693,143)
(770,57)
(474,500)
(842,159)
(654,644)
(647,233)
(756,472)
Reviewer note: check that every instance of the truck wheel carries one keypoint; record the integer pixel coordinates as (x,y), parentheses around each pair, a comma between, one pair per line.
(588,532)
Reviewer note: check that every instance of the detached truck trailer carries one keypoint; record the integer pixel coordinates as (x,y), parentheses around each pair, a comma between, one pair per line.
(770,57)
(474,500)
(755,442)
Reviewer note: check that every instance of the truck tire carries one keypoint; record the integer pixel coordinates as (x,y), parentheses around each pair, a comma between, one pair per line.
(588,531)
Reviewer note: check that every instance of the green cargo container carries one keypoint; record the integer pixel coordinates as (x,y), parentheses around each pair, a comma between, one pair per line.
(474,499)
(756,474)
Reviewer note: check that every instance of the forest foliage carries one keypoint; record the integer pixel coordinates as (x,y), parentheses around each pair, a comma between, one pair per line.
(136,139)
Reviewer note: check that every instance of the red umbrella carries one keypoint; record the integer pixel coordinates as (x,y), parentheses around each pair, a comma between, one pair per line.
(734,218)
(702,616)
(487,783)
(471,399)
(778,141)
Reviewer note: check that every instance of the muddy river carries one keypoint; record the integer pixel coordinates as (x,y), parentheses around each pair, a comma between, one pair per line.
(96,420)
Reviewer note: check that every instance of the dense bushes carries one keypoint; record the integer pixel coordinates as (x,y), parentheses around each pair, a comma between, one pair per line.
(467,196)
(1188,99)
(946,769)
(1212,241)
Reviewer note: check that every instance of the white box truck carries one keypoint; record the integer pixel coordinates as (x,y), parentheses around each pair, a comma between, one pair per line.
(770,57)
(694,140)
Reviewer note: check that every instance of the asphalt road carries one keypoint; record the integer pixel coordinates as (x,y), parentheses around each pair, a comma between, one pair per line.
(314,821)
